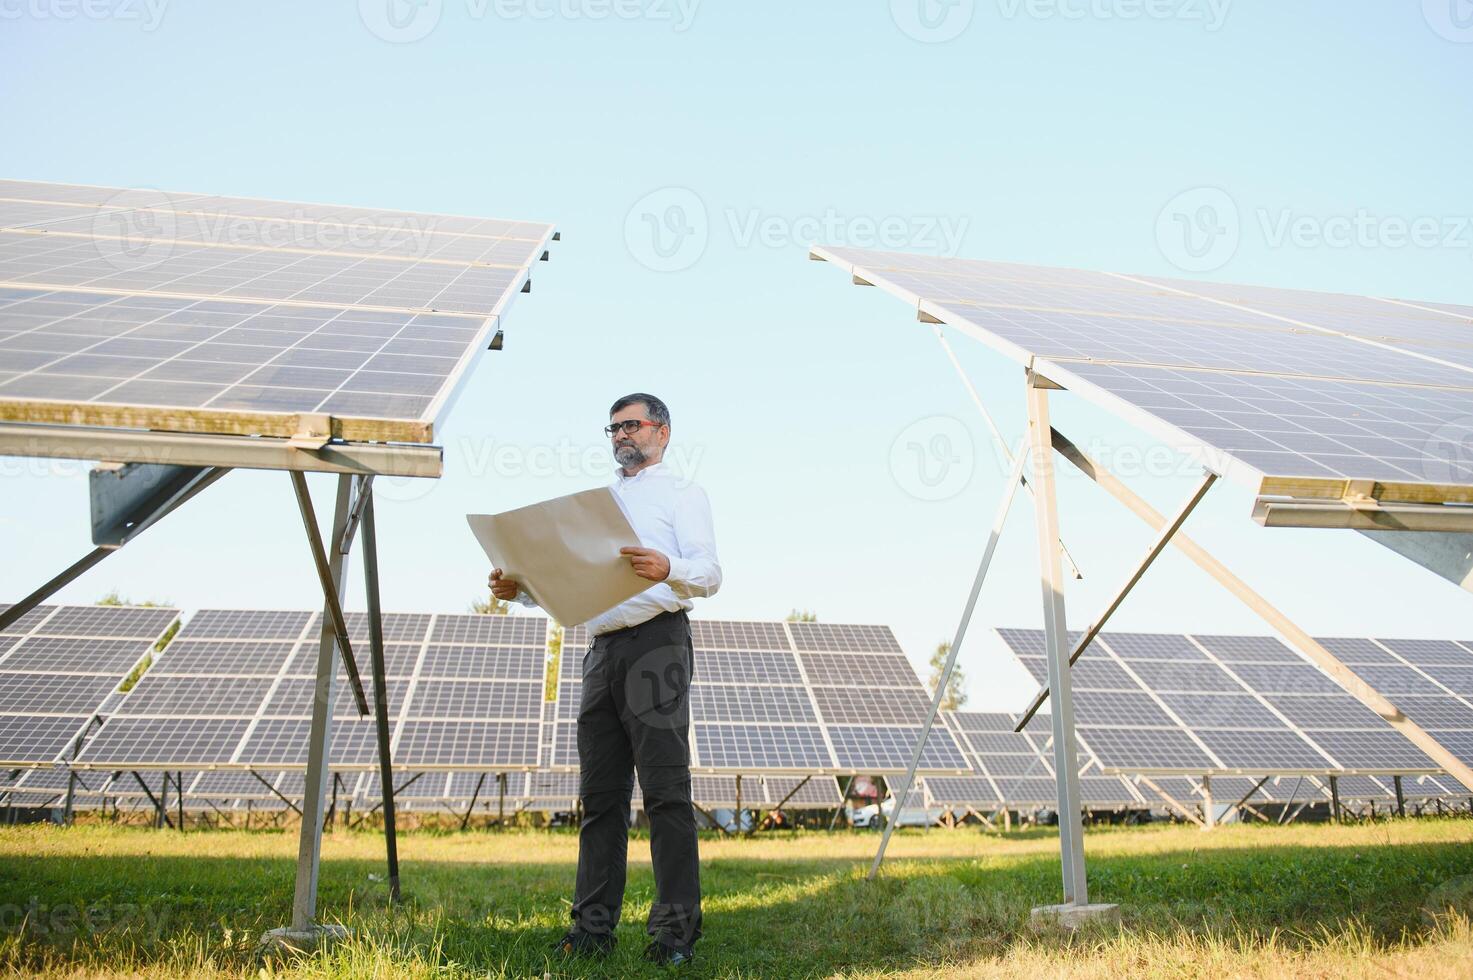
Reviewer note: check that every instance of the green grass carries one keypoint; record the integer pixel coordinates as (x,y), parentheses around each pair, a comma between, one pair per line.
(1239,901)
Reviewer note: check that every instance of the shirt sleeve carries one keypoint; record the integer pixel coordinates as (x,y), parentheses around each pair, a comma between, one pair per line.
(696,571)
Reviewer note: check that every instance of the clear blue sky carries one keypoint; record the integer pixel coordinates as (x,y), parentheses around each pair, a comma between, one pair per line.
(1065,133)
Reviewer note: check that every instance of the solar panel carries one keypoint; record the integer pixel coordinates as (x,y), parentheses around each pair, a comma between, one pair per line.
(800,793)
(1280,385)
(131,309)
(457,704)
(58,666)
(1217,704)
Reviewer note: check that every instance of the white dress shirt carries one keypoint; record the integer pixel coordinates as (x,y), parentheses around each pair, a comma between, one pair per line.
(673,517)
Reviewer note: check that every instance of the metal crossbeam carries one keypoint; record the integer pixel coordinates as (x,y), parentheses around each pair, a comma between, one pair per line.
(1163,537)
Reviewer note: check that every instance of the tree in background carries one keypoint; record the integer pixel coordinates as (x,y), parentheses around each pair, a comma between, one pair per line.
(802,616)
(113,599)
(490,606)
(956,690)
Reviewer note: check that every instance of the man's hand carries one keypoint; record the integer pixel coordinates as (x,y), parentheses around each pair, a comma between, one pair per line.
(648,563)
(503,588)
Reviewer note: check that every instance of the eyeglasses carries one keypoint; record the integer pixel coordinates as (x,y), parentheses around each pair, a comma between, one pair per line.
(629,426)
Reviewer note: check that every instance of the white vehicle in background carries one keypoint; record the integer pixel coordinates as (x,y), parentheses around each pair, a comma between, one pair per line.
(911,816)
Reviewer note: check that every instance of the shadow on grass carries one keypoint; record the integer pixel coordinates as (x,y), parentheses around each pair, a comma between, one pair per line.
(783,917)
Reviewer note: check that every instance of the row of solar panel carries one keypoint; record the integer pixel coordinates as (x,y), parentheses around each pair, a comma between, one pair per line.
(1177,703)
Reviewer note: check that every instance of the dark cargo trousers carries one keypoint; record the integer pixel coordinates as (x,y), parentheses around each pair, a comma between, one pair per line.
(635,715)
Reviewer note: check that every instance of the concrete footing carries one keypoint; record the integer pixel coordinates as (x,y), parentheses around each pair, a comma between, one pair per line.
(1073,916)
(289,940)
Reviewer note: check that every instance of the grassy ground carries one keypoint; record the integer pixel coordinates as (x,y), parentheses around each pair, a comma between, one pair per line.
(1240,901)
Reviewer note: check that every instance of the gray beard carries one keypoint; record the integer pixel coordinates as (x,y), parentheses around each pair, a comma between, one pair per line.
(627,456)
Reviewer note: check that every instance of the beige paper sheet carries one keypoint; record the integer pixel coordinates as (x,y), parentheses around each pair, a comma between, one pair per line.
(565,553)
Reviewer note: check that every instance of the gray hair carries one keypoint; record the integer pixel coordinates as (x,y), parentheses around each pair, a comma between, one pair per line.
(654,409)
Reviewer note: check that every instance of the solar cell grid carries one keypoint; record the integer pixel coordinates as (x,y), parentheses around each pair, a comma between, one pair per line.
(1422,653)
(980,721)
(150,742)
(512,631)
(1397,681)
(113,621)
(866,670)
(1298,678)
(793,792)
(745,667)
(1240,711)
(721,634)
(246,624)
(293,697)
(203,697)
(477,744)
(1000,764)
(1458,680)
(484,662)
(868,748)
(285,741)
(75,655)
(1248,649)
(857,705)
(476,700)
(1120,708)
(962,791)
(1356,650)
(1278,750)
(1385,749)
(1152,646)
(745,747)
(240,658)
(843,638)
(737,703)
(1437,712)
(1146,749)
(28,620)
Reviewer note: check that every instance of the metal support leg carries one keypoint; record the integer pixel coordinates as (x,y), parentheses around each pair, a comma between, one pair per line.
(1209,809)
(380,684)
(1056,639)
(1009,490)
(1334,799)
(843,799)
(179,796)
(500,800)
(1401,800)
(476,795)
(314,792)
(332,587)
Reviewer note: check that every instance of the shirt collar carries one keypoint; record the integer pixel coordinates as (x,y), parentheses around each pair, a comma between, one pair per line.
(658,468)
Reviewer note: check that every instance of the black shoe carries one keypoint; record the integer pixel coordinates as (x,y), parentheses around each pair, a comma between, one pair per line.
(658,952)
(577,943)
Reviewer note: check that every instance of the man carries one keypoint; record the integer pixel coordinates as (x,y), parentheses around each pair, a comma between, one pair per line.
(635,712)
